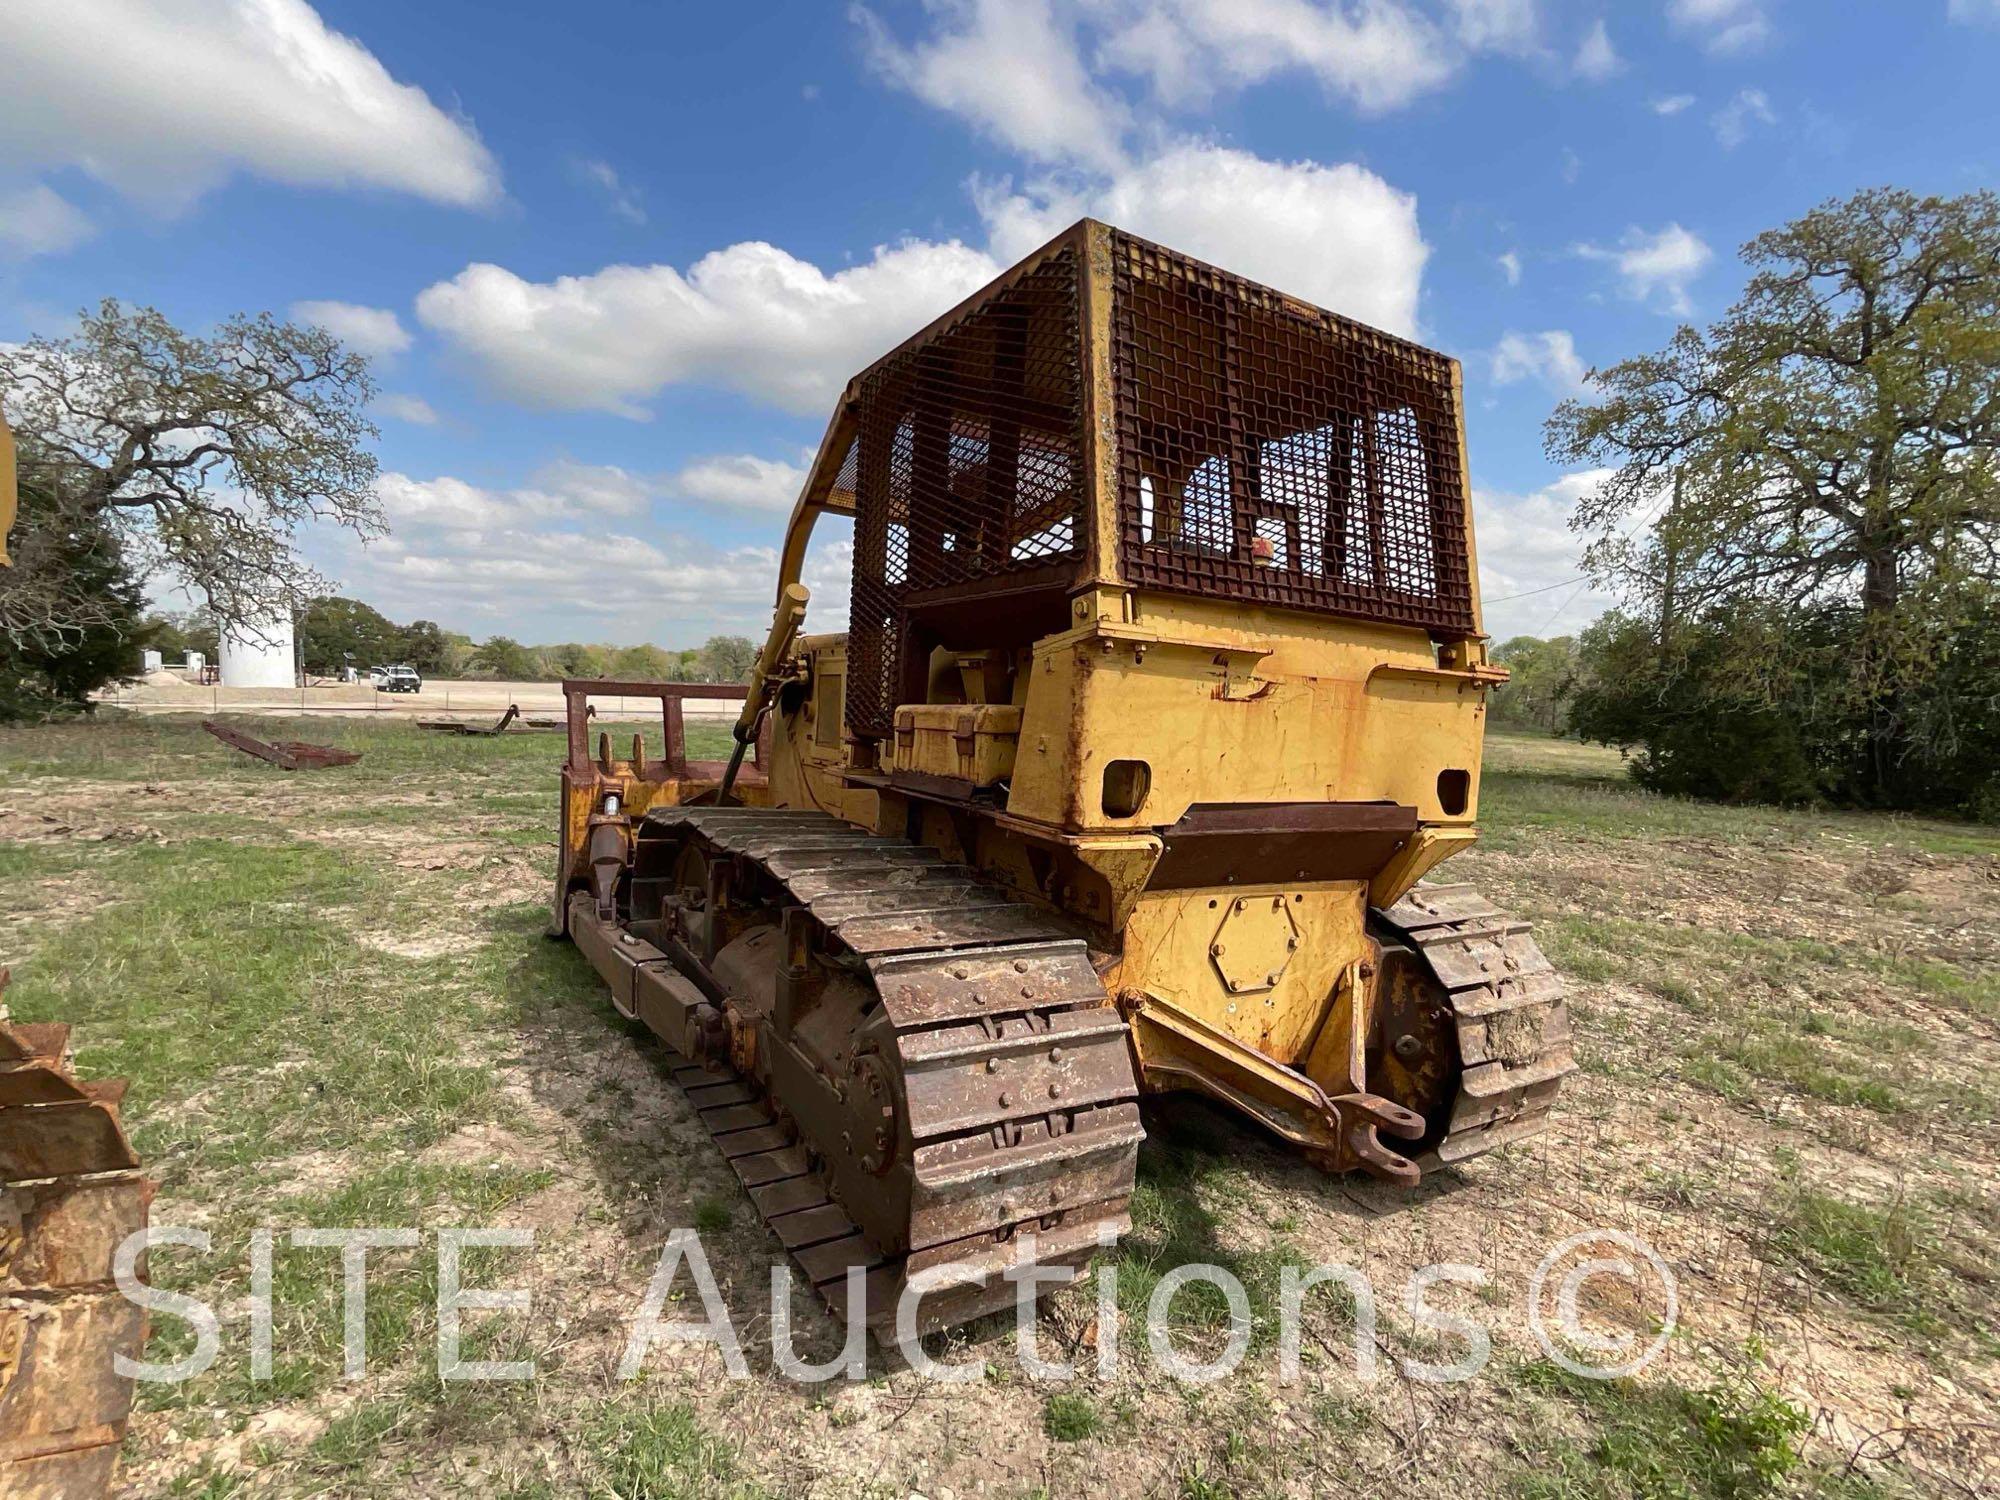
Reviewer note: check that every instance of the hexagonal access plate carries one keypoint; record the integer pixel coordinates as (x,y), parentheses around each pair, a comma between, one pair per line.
(1253,944)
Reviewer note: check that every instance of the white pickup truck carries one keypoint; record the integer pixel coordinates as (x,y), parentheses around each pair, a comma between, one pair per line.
(395,679)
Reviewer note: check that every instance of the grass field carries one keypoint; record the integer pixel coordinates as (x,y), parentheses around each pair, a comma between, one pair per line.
(334,1003)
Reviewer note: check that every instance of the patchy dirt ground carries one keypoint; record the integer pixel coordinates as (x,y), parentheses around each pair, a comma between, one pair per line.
(336,1007)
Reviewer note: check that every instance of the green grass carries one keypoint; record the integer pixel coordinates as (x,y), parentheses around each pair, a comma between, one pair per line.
(660,1451)
(1188,1175)
(1530,785)
(1896,1260)
(116,746)
(1733,1439)
(226,982)
(1070,1418)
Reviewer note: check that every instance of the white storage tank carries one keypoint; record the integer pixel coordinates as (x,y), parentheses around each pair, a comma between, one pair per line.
(258,654)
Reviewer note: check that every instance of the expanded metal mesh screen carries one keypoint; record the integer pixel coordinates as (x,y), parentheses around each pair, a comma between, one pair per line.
(966,470)
(1275,453)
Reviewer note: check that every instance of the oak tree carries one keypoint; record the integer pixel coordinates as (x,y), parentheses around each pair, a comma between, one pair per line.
(1832,444)
(204,456)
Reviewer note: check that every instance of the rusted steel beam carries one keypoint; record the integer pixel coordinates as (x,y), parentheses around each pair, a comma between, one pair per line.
(466,726)
(286,755)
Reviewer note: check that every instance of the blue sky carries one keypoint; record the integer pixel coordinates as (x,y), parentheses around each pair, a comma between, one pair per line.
(616,259)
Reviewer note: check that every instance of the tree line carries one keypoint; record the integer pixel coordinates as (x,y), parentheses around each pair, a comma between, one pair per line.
(334,633)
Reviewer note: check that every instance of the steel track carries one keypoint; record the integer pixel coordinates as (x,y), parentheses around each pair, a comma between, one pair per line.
(1506,1011)
(1011,1072)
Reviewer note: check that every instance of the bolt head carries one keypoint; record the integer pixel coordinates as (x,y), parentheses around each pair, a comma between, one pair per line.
(1055,1054)
(1408,1046)
(1020,966)
(1055,1091)
(1006,1100)
(992,1064)
(960,972)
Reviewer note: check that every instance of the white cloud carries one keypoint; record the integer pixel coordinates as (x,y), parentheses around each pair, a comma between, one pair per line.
(1011,68)
(1724,27)
(1671,104)
(1973,11)
(1496,25)
(407,408)
(749,318)
(165,102)
(1378,56)
(1572,165)
(1596,59)
(518,560)
(1510,267)
(753,318)
(441,502)
(36,220)
(665,587)
(1335,235)
(1732,123)
(1031,73)
(741,482)
(1549,356)
(374,331)
(622,198)
(1530,562)
(1656,267)
(557,489)
(563,487)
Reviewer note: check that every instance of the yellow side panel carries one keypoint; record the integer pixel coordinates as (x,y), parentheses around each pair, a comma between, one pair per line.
(1214,725)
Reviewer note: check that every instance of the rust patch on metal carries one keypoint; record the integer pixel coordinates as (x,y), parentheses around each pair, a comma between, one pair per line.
(70,1194)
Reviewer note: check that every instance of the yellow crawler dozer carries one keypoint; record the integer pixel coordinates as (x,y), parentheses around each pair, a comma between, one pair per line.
(1163,689)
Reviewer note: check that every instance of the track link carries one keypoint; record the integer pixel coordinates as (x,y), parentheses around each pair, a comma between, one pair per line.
(997,1054)
(1507,1014)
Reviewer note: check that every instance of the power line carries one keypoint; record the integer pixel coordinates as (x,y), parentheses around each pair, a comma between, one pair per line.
(1530,593)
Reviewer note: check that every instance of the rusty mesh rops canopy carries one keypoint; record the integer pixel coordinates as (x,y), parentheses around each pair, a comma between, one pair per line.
(1267,452)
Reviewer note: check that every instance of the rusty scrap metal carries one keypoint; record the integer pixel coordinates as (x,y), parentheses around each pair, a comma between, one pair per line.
(70,1194)
(286,755)
(466,726)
